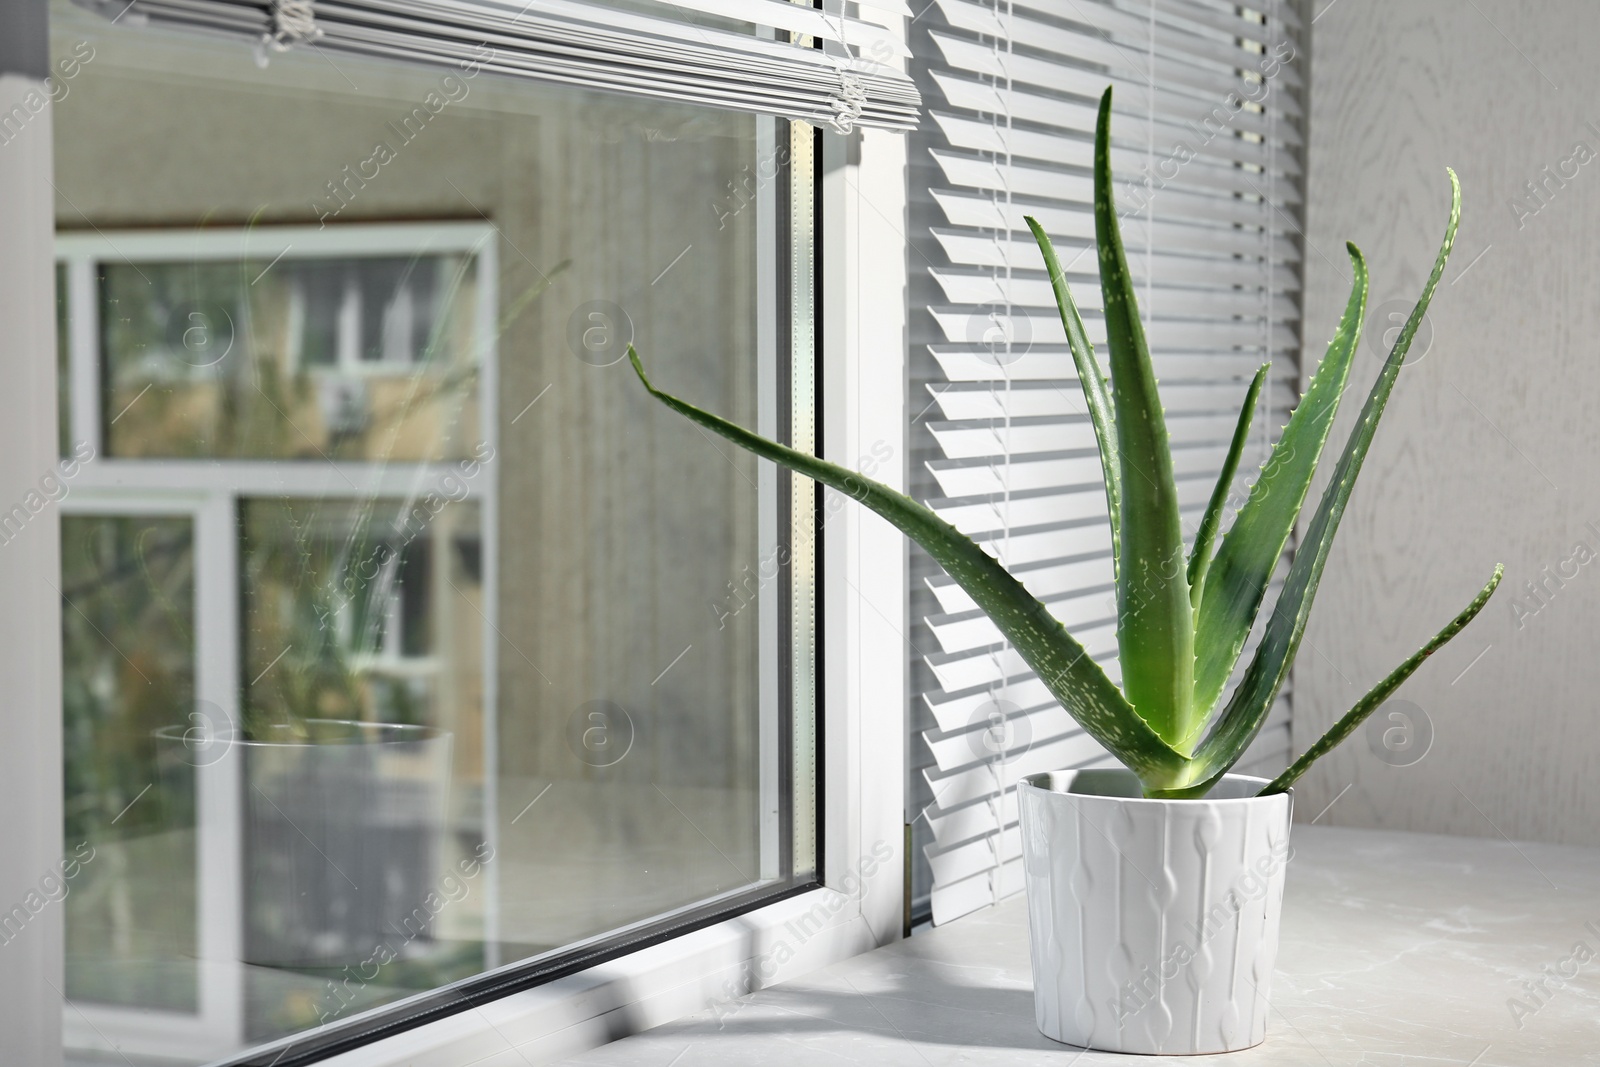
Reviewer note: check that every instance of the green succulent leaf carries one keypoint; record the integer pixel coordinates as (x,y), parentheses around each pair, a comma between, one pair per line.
(1237,579)
(1181,625)
(1380,692)
(1061,663)
(1093,381)
(1155,624)
(1247,709)
(1205,537)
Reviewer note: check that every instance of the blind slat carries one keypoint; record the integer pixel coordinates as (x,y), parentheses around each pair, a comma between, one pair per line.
(982,135)
(1019,252)
(965,402)
(958,479)
(1120,53)
(965,365)
(1133,96)
(1075,225)
(962,441)
(974,287)
(1136,128)
(1011,511)
(1044,326)
(1022,180)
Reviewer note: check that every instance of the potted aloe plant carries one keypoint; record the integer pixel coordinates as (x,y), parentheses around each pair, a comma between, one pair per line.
(1154,892)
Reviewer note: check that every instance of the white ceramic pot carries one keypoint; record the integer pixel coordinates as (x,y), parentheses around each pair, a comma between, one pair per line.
(1153,923)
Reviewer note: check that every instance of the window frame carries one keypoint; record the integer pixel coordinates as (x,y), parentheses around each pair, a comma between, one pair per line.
(79,250)
(218,870)
(861,661)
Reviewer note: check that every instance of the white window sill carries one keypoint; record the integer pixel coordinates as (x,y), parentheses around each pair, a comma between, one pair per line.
(1396,948)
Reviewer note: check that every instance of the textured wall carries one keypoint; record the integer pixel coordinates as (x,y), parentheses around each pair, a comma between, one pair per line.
(1488,448)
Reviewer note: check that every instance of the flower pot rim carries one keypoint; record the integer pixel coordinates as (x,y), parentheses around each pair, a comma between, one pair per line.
(1032,781)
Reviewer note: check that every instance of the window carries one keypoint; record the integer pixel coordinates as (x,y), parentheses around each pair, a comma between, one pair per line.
(645,176)
(411,651)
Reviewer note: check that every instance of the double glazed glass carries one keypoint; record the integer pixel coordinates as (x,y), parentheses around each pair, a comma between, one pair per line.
(410,648)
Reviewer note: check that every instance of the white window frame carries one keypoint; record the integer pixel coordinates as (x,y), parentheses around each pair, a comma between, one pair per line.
(218,872)
(863,656)
(78,252)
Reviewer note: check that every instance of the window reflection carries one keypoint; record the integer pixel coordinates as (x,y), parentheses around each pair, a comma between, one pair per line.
(128,649)
(352,358)
(467,690)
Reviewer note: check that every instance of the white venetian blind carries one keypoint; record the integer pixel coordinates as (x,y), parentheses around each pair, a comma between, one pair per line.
(746,55)
(1207,147)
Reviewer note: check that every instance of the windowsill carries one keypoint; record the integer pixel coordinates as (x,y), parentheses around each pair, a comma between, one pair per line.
(1396,948)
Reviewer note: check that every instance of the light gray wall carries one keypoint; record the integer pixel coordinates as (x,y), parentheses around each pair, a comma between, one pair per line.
(1489,447)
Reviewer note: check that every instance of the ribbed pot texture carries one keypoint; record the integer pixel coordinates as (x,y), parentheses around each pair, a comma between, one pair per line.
(1153,923)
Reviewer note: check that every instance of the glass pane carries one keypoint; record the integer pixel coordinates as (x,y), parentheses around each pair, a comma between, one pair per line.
(368,359)
(127,618)
(492,653)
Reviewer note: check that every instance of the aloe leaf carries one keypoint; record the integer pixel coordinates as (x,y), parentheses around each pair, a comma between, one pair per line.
(1055,656)
(1155,624)
(1247,709)
(1237,579)
(1380,692)
(1205,537)
(1093,381)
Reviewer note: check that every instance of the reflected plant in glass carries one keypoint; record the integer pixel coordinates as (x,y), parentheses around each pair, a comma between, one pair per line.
(347,747)
(340,599)
(309,615)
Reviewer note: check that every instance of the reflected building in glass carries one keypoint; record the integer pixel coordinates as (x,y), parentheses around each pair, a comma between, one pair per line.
(397,645)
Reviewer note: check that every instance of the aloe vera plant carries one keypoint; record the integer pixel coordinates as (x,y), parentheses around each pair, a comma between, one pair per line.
(1183,615)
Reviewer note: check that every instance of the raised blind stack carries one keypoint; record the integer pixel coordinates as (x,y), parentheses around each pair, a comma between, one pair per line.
(744,55)
(1207,150)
